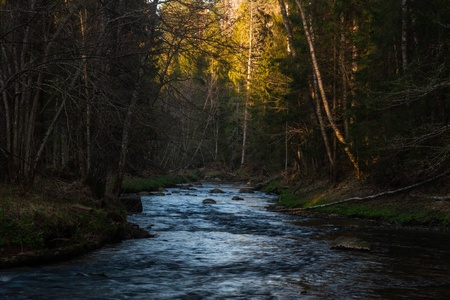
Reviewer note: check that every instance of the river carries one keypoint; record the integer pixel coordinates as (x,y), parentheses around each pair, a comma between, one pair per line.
(239,250)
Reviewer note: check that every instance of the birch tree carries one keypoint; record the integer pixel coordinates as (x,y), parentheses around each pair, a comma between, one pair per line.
(249,76)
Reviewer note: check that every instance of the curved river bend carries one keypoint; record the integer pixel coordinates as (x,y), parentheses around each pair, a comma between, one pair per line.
(238,250)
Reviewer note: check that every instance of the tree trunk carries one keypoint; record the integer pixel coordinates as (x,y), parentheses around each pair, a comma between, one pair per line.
(344,76)
(249,70)
(124,145)
(319,115)
(120,174)
(28,163)
(404,34)
(53,123)
(83,17)
(336,130)
(287,26)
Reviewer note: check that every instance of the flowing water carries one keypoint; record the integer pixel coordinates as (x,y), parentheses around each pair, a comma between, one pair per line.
(239,250)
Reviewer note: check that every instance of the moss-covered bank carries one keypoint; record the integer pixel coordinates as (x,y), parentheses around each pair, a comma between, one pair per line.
(425,205)
(55,220)
(59,220)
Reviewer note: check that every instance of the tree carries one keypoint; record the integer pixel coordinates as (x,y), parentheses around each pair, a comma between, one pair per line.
(326,105)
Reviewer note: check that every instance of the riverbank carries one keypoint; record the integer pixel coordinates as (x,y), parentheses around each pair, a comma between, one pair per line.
(56,220)
(426,206)
(237,249)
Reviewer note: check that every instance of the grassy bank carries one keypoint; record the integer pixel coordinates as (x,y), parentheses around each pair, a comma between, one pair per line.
(61,215)
(139,184)
(55,215)
(409,208)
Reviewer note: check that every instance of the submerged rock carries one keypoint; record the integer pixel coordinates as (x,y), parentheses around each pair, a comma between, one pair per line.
(209,201)
(216,191)
(351,243)
(237,198)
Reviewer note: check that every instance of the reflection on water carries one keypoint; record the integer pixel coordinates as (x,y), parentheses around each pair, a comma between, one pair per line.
(238,250)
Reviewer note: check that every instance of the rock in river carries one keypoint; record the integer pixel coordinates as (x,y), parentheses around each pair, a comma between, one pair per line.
(351,243)
(209,201)
(216,191)
(237,198)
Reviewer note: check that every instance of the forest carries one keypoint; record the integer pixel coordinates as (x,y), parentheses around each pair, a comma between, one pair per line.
(96,91)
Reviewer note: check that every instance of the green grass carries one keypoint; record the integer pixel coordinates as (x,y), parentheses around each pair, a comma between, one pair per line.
(273,187)
(139,184)
(288,199)
(19,233)
(412,215)
(311,197)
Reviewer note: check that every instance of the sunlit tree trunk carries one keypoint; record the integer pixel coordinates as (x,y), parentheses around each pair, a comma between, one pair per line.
(287,26)
(336,130)
(249,71)
(322,124)
(354,62)
(316,97)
